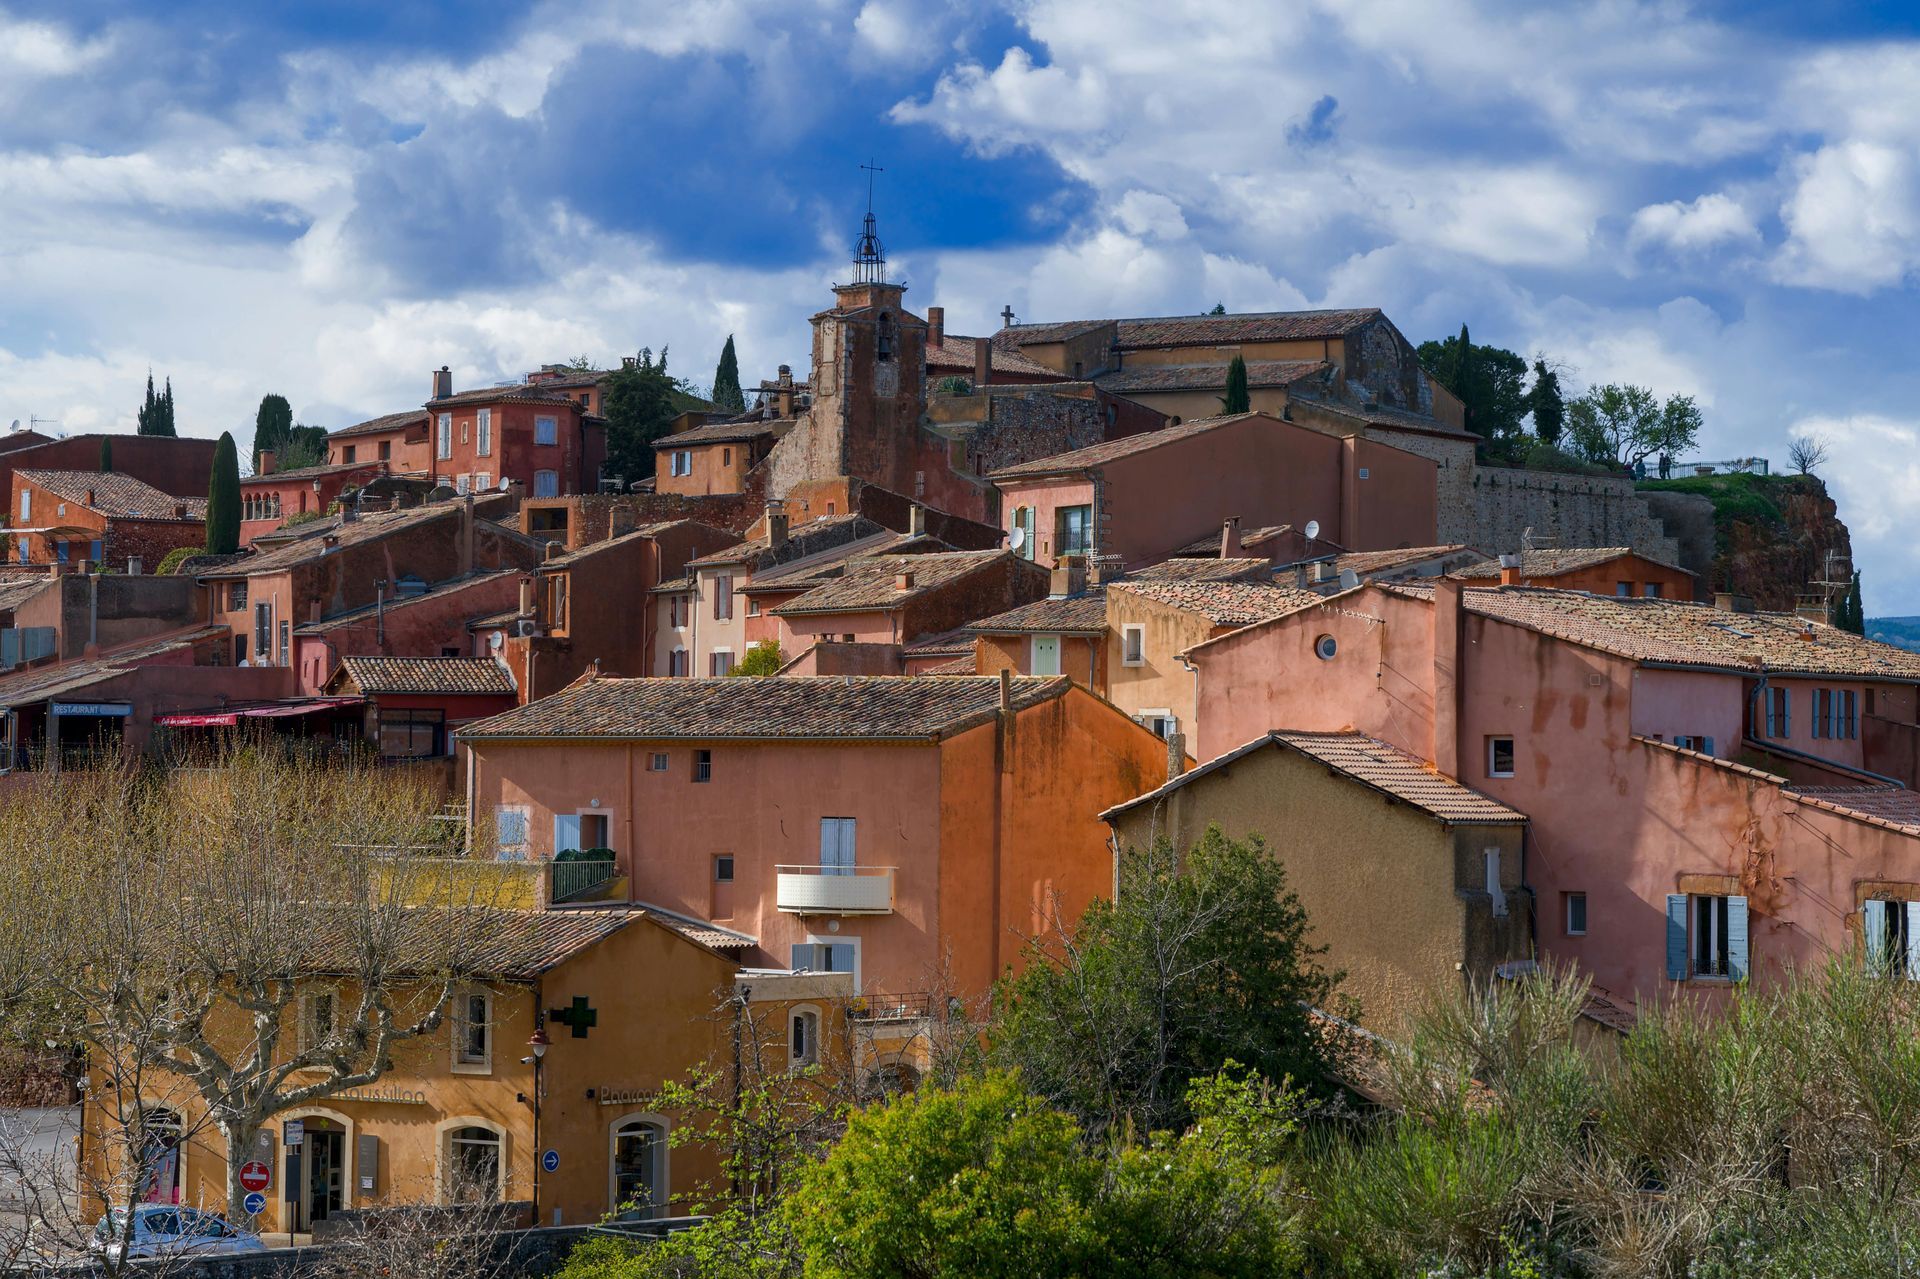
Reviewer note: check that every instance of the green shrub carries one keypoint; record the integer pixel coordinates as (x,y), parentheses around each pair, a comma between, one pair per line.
(170,564)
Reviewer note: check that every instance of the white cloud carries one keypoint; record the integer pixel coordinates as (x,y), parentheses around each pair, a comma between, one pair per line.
(41,50)
(1148,213)
(1853,219)
(1708,222)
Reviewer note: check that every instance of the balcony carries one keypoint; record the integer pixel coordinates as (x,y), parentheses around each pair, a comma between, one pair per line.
(834,890)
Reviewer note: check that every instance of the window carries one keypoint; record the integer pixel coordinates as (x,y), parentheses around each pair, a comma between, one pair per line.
(1046,655)
(1161,722)
(753,607)
(726,457)
(482,481)
(473,1165)
(837,837)
(26,505)
(639,1165)
(1133,645)
(723,868)
(96,549)
(657,762)
(286,642)
(1020,532)
(483,431)
(703,766)
(1687,742)
(720,661)
(318,1024)
(677,662)
(473,1031)
(546,484)
(412,734)
(1651,590)
(1834,713)
(239,650)
(1706,937)
(681,462)
(263,631)
(1325,647)
(1777,706)
(511,826)
(347,452)
(1076,531)
(546,430)
(466,430)
(723,598)
(1623,589)
(444,444)
(1499,757)
(883,338)
(1495,893)
(1576,914)
(803,1038)
(677,612)
(1892,934)
(386,451)
(463,483)
(824,957)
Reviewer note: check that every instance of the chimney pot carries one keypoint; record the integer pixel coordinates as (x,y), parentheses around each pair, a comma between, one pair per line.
(1230,538)
(903,580)
(1069,577)
(89,497)
(916,520)
(936,325)
(777,524)
(526,597)
(442,382)
(179,510)
(555,550)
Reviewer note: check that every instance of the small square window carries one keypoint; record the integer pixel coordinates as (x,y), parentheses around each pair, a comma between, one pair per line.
(1651,590)
(723,869)
(1133,645)
(1623,589)
(1499,757)
(703,766)
(1576,914)
(658,764)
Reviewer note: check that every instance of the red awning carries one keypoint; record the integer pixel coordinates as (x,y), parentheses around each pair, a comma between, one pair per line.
(230,716)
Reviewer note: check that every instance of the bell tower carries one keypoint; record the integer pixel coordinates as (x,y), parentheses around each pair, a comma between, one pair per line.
(869,372)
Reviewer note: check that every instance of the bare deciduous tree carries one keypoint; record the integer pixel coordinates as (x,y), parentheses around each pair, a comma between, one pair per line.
(1808,453)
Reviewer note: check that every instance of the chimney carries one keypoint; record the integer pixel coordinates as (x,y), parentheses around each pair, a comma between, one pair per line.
(526,597)
(936,326)
(349,511)
(442,382)
(134,566)
(81,567)
(1449,623)
(1006,690)
(1510,570)
(266,461)
(1730,602)
(785,395)
(1230,538)
(776,524)
(1176,755)
(903,580)
(982,361)
(916,520)
(620,521)
(180,512)
(331,541)
(1069,577)
(554,550)
(89,497)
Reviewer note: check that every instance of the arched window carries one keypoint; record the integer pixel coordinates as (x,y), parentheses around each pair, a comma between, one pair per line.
(883,341)
(160,1154)
(472,1164)
(637,1169)
(803,1036)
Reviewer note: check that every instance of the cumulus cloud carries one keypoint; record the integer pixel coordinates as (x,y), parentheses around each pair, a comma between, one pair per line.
(1853,218)
(1706,223)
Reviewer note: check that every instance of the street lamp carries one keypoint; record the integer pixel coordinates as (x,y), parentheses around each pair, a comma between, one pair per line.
(538,1043)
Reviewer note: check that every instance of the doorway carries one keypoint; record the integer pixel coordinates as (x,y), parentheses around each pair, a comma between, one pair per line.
(322,1173)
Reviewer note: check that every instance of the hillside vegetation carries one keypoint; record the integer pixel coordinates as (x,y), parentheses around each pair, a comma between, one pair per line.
(1772,533)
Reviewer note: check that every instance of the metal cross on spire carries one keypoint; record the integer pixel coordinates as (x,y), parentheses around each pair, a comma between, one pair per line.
(869,258)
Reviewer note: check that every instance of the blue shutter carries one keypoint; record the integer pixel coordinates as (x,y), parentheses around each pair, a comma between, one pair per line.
(1737,963)
(1873,925)
(803,957)
(1913,936)
(1676,936)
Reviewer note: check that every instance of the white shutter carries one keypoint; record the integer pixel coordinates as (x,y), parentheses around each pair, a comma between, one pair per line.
(566,832)
(1913,937)
(1738,965)
(1494,891)
(1873,927)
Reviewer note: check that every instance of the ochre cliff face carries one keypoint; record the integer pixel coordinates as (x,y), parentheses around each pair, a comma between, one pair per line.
(1776,561)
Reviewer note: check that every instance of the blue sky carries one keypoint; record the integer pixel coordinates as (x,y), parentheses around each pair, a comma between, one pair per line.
(330,200)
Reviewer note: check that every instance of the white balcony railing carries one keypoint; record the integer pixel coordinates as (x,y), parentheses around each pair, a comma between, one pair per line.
(834,890)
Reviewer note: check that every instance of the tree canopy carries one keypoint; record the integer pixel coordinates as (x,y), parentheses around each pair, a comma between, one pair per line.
(223,498)
(727,396)
(1490,381)
(640,402)
(271,422)
(1238,398)
(156,415)
(1622,425)
(1546,404)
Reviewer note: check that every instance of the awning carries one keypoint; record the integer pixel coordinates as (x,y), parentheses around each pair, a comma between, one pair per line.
(230,715)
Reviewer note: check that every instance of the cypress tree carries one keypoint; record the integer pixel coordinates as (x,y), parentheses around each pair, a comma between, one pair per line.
(106,453)
(1545,402)
(156,415)
(223,498)
(1238,398)
(1850,613)
(727,395)
(271,423)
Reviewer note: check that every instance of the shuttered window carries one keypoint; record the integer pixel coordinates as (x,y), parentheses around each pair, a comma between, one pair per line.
(1707,937)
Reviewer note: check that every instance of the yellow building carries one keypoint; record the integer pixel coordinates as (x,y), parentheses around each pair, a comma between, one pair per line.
(625,1001)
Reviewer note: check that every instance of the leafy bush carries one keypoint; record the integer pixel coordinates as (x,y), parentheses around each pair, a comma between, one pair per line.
(763,658)
(584,855)
(170,563)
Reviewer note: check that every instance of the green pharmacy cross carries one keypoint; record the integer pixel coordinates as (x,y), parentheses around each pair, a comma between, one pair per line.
(580,1017)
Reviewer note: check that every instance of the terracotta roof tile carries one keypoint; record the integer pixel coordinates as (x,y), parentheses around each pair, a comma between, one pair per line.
(1097,455)
(1553,562)
(958,666)
(1392,418)
(354,532)
(311,472)
(115,495)
(435,594)
(1244,569)
(793,707)
(1365,562)
(1894,804)
(451,675)
(957,354)
(722,433)
(1203,330)
(1084,614)
(512,944)
(37,683)
(1210,545)
(873,582)
(1686,634)
(1205,377)
(1369,761)
(1225,603)
(809,538)
(382,425)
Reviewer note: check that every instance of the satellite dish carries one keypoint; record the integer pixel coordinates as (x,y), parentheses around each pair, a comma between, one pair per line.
(1017,538)
(496,640)
(1313,529)
(15,426)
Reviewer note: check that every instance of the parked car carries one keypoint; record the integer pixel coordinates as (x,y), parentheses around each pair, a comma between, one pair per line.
(164,1230)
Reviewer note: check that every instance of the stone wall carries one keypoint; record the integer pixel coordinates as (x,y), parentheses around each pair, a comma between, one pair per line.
(1453,480)
(1569,509)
